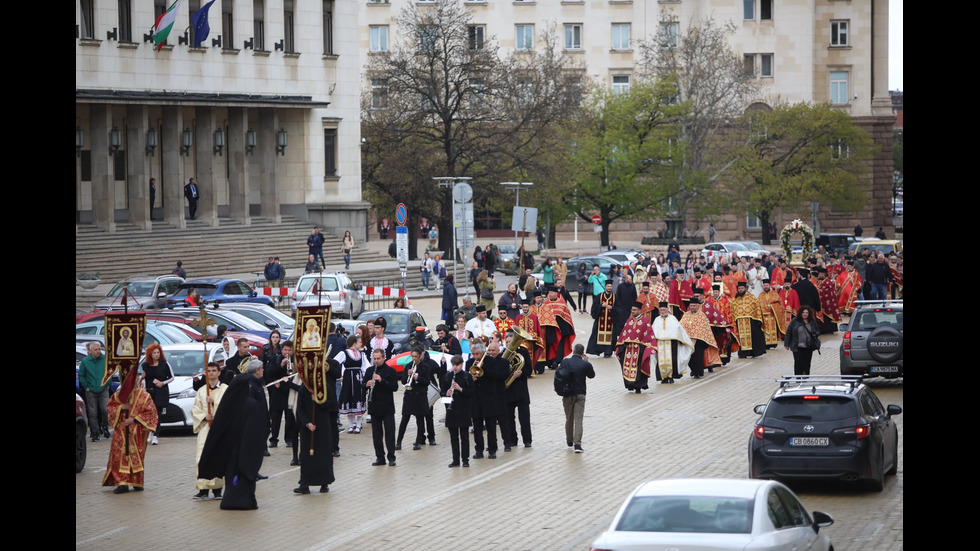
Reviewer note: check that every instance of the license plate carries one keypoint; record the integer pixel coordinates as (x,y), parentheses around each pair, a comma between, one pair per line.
(884,369)
(809,441)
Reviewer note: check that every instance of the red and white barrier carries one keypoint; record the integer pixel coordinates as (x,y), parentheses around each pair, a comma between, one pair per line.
(275,291)
(386,292)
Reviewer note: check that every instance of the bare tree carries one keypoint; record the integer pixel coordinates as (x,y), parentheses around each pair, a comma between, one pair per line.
(711,78)
(443,102)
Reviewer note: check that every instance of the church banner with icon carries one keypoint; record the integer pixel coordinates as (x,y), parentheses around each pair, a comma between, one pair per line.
(123,343)
(313,327)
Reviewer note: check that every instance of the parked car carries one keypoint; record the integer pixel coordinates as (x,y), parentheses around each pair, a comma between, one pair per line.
(155,333)
(714,514)
(887,246)
(873,342)
(219,290)
(235,321)
(335,288)
(726,248)
(401,324)
(825,427)
(186,360)
(835,242)
(150,292)
(269,317)
(623,256)
(81,433)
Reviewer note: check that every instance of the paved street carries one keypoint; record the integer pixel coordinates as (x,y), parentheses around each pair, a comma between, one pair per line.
(540,498)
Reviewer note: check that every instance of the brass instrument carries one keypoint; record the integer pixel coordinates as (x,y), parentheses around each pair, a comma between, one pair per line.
(476,370)
(511,354)
(411,376)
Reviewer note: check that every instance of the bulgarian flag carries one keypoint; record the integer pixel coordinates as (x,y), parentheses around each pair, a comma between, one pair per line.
(161,29)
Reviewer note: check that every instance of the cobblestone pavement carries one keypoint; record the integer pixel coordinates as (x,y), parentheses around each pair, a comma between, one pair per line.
(539,498)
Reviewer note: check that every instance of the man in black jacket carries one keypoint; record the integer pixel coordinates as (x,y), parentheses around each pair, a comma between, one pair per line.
(574,370)
(382,382)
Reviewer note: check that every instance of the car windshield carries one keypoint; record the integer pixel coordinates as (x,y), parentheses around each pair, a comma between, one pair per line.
(186,362)
(811,408)
(698,514)
(176,335)
(753,246)
(506,249)
(872,319)
(397,323)
(878,248)
(736,247)
(204,290)
(329,284)
(262,314)
(137,288)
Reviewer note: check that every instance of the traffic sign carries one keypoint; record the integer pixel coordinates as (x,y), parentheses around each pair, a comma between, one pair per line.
(596,219)
(401,214)
(401,245)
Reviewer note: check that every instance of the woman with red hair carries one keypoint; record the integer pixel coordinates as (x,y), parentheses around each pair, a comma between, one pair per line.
(157,375)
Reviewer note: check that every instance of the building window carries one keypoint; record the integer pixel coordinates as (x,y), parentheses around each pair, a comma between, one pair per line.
(620,84)
(125,21)
(748,64)
(86,19)
(288,21)
(525,37)
(573,36)
(379,93)
(258,25)
(765,10)
(765,65)
(328,27)
(377,1)
(476,36)
(839,150)
(838,87)
(752,222)
(838,33)
(478,92)
(379,38)
(668,34)
(428,35)
(621,36)
(330,152)
(227,24)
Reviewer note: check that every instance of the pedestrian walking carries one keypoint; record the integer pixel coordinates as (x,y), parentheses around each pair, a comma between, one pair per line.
(570,383)
(346,247)
(315,243)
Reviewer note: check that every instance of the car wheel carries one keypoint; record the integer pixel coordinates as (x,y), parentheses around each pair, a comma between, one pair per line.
(885,345)
(877,483)
(81,448)
(893,470)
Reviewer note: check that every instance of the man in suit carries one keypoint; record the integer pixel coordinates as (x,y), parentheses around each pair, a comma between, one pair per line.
(191,193)
(382,382)
(574,370)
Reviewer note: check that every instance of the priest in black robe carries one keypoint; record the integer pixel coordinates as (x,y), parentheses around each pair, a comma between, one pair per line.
(316,432)
(236,443)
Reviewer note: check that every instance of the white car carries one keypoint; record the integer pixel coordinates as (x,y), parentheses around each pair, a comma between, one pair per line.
(185,360)
(336,290)
(701,514)
(717,250)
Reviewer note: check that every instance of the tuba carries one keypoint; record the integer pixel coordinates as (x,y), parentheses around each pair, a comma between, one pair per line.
(513,357)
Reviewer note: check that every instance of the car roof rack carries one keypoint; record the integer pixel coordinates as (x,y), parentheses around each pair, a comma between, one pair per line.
(813,380)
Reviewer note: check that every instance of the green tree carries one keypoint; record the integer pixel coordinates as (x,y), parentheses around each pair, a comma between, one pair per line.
(623,152)
(444,102)
(798,153)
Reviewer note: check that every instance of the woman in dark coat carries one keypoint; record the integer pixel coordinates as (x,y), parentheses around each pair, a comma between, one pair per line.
(490,259)
(450,299)
(317,433)
(157,376)
(584,288)
(802,337)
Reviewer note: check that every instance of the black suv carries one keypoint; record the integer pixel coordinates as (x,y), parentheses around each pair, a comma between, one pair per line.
(824,427)
(873,340)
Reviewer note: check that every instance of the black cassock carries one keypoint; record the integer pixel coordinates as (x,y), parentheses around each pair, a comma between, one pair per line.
(316,469)
(236,442)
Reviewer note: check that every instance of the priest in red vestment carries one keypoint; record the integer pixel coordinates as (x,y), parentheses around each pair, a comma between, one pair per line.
(634,348)
(133,415)
(829,315)
(559,331)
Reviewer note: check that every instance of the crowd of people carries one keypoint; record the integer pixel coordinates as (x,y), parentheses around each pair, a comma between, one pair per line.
(663,317)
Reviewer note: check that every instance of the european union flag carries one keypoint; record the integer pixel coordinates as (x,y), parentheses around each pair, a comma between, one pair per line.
(201,27)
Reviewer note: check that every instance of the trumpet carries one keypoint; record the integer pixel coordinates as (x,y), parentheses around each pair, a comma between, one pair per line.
(411,376)
(476,370)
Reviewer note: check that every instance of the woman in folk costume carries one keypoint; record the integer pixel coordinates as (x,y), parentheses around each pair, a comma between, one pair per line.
(205,404)
(133,415)
(354,363)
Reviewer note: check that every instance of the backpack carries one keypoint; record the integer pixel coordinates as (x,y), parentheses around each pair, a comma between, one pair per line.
(563,382)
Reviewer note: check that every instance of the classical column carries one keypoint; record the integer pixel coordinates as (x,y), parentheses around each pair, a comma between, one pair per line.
(268,187)
(172,179)
(138,166)
(238,187)
(881,102)
(103,176)
(207,165)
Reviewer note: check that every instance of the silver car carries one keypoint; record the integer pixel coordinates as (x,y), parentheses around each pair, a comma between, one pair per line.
(150,292)
(334,288)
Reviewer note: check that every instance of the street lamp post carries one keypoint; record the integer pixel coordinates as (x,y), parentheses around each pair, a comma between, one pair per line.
(450,182)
